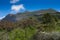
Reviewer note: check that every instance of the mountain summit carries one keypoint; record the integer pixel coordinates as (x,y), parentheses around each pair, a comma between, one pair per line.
(20,16)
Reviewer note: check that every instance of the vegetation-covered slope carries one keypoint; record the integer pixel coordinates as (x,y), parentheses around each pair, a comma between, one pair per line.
(33,28)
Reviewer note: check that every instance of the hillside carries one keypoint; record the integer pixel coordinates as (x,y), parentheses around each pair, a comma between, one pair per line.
(36,25)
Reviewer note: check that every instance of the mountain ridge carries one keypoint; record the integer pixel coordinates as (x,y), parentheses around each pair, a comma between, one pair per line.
(26,14)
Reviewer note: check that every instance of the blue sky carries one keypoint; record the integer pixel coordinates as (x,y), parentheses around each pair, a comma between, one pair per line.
(14,6)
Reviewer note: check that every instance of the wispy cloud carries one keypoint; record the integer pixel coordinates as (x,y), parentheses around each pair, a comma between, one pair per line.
(14,1)
(17,8)
(2,17)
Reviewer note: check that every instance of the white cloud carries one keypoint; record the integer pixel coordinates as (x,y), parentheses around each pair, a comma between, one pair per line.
(14,1)
(2,17)
(17,8)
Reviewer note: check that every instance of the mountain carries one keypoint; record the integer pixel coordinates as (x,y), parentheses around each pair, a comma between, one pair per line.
(27,14)
(9,17)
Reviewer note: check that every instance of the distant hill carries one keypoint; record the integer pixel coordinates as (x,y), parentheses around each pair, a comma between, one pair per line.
(26,14)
